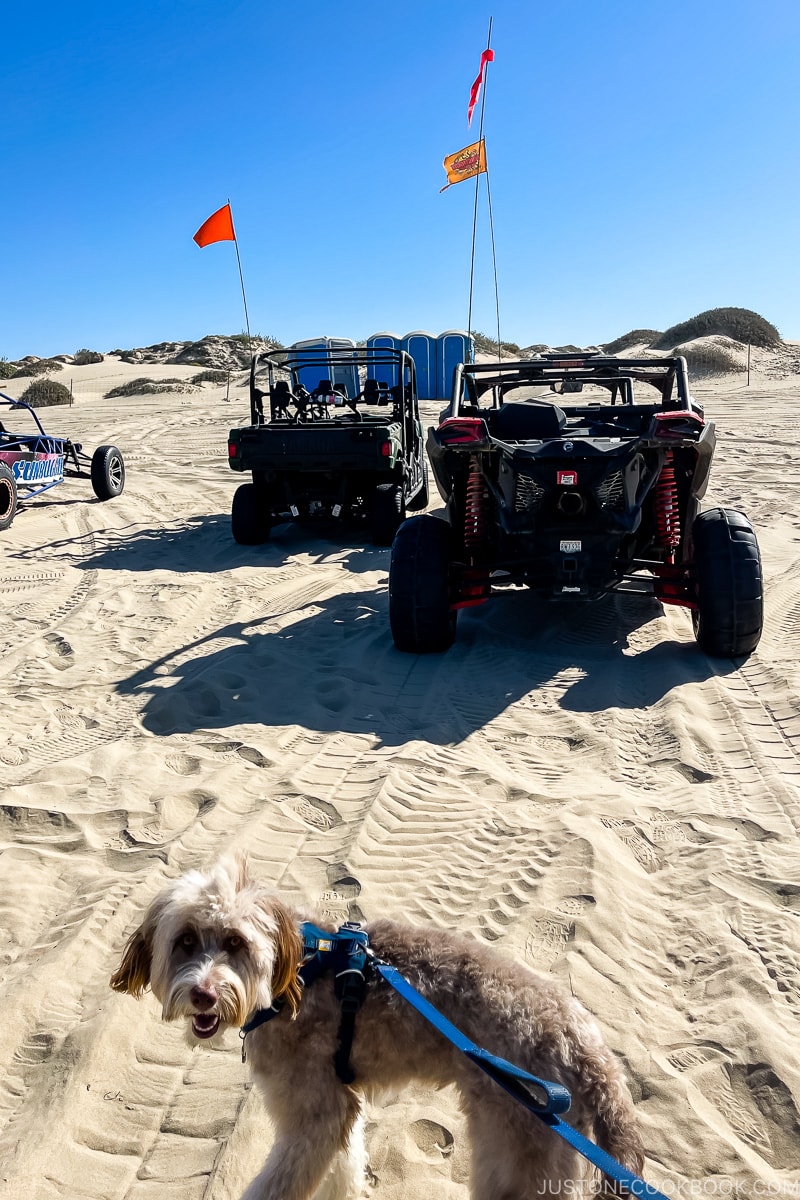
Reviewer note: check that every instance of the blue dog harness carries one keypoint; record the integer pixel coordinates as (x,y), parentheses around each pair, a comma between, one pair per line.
(347,953)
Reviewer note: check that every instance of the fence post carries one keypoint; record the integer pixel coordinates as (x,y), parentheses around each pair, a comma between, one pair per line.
(748,364)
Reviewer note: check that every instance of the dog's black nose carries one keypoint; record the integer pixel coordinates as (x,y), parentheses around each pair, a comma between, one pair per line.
(203,997)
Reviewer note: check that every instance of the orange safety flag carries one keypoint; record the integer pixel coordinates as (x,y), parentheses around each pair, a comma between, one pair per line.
(465,163)
(218,228)
(475,90)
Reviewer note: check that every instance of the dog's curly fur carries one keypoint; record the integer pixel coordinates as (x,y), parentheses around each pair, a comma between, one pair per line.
(217,945)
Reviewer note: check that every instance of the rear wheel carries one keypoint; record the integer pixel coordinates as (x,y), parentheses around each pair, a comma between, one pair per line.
(107,472)
(420,615)
(420,501)
(250,516)
(728,584)
(388,511)
(8,496)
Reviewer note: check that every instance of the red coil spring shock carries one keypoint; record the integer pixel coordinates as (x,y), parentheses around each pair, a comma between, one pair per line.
(475,506)
(667,513)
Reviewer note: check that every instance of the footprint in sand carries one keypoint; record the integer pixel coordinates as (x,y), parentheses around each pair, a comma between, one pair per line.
(547,941)
(251,755)
(432,1138)
(59,651)
(14,756)
(317,813)
(631,836)
(184,764)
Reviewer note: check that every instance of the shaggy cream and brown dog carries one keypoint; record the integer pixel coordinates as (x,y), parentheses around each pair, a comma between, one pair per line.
(217,946)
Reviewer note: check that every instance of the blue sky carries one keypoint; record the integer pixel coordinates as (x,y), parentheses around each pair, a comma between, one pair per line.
(643,167)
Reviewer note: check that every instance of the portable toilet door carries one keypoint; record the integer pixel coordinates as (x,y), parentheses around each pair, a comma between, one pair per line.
(422,348)
(309,376)
(454,346)
(385,372)
(344,372)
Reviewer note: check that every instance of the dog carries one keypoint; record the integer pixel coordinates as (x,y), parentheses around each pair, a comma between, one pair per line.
(217,946)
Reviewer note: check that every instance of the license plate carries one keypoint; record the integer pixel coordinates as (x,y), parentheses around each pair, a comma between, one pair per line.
(568,547)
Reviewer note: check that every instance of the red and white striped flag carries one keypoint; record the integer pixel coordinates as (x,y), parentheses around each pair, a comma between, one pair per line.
(475,90)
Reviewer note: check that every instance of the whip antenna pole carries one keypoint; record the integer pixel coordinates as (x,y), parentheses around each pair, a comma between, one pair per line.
(477,182)
(241,280)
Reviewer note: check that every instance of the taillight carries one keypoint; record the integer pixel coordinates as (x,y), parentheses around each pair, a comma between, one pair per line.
(462,431)
(233,450)
(677,425)
(386,449)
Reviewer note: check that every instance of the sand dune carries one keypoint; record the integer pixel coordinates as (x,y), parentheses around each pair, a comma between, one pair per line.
(581,787)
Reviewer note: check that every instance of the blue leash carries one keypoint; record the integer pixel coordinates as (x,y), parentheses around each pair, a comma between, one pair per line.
(545,1100)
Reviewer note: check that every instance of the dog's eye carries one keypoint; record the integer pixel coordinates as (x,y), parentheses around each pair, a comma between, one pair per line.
(232,943)
(187,941)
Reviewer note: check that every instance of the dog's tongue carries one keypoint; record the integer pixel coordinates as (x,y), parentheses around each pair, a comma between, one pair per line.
(205,1025)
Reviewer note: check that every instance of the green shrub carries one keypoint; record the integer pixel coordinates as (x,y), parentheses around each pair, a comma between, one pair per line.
(7,369)
(485,344)
(741,324)
(254,337)
(709,359)
(210,376)
(83,358)
(634,338)
(147,387)
(43,393)
(37,366)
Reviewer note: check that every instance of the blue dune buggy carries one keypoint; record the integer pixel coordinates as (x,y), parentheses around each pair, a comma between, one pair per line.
(34,462)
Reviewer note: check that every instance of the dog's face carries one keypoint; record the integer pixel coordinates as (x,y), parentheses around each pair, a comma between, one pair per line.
(214,946)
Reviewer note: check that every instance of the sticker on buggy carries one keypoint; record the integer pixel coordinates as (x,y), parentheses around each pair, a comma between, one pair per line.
(39,470)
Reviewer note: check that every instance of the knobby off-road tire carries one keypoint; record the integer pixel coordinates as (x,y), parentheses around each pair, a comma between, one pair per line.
(250,516)
(8,496)
(728,584)
(420,615)
(107,472)
(388,512)
(420,501)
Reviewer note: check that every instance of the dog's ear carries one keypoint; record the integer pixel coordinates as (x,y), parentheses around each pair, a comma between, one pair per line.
(288,959)
(236,867)
(241,869)
(133,973)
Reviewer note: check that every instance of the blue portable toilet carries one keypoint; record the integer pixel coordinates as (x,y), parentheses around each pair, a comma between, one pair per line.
(385,372)
(452,347)
(308,376)
(422,348)
(344,372)
(341,372)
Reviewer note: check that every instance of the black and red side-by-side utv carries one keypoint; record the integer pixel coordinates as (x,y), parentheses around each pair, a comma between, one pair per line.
(558,475)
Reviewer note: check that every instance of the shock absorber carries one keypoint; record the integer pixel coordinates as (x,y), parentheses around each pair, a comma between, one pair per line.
(475,585)
(667,513)
(474,506)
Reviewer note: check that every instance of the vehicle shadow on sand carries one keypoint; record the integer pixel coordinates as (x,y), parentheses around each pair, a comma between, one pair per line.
(196,544)
(335,669)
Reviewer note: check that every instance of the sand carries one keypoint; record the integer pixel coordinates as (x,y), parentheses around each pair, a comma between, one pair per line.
(581,787)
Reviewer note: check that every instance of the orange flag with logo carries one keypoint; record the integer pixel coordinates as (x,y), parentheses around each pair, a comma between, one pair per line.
(218,228)
(464,164)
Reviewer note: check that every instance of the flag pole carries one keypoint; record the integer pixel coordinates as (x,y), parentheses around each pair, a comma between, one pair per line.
(477,181)
(241,280)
